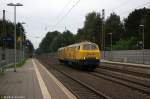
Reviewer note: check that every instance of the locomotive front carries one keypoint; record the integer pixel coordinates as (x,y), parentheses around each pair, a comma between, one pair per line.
(89,54)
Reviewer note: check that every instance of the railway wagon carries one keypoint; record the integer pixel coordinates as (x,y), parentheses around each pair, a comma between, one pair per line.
(84,54)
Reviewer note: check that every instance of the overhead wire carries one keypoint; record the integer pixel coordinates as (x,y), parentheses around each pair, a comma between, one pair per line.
(126,2)
(67,13)
(59,14)
(139,6)
(63,17)
(62,10)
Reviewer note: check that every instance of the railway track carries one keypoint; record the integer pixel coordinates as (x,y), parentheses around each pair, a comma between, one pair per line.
(128,69)
(82,90)
(92,85)
(132,76)
(88,90)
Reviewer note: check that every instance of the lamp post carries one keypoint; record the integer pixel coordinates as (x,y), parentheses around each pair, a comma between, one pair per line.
(143,39)
(110,41)
(111,44)
(21,42)
(14,5)
(23,47)
(143,36)
(4,37)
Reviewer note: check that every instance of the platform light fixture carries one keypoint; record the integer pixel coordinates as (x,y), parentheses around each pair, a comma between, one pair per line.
(15,5)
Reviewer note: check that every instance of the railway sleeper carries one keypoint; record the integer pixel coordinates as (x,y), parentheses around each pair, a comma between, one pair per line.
(141,89)
(138,80)
(132,71)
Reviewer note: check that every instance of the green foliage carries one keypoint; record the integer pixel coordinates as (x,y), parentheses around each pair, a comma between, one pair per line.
(125,34)
(45,45)
(1,97)
(92,28)
(125,44)
(7,30)
(19,64)
(1,73)
(54,40)
(68,38)
(29,48)
(114,25)
(133,22)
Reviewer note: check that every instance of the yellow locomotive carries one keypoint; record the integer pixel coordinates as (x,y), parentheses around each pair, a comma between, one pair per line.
(84,54)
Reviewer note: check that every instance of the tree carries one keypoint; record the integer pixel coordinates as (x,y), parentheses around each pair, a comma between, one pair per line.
(54,40)
(46,42)
(7,31)
(92,28)
(125,36)
(79,37)
(29,48)
(68,38)
(113,25)
(133,22)
(125,44)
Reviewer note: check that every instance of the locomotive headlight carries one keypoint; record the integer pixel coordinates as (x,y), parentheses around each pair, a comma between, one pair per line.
(97,58)
(84,58)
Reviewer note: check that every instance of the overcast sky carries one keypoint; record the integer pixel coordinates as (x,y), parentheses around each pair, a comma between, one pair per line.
(42,16)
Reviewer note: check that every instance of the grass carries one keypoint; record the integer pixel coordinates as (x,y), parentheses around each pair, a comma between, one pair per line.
(1,74)
(18,65)
(1,97)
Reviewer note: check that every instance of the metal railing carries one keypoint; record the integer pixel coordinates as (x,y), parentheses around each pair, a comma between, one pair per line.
(2,65)
(9,58)
(129,56)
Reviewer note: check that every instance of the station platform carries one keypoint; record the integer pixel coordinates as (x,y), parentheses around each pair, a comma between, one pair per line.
(124,63)
(32,81)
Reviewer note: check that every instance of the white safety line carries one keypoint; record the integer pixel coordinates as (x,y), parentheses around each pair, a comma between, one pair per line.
(45,93)
(123,63)
(59,84)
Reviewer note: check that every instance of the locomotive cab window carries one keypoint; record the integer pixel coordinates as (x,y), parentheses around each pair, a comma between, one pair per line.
(89,47)
(78,47)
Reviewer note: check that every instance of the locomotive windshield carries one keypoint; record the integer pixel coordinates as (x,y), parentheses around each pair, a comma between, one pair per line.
(89,47)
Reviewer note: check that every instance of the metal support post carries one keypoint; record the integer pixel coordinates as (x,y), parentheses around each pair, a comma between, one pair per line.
(15,38)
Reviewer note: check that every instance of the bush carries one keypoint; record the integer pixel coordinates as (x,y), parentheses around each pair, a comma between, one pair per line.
(125,44)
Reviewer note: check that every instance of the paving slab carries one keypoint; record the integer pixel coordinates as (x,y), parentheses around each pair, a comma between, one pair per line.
(32,81)
(20,84)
